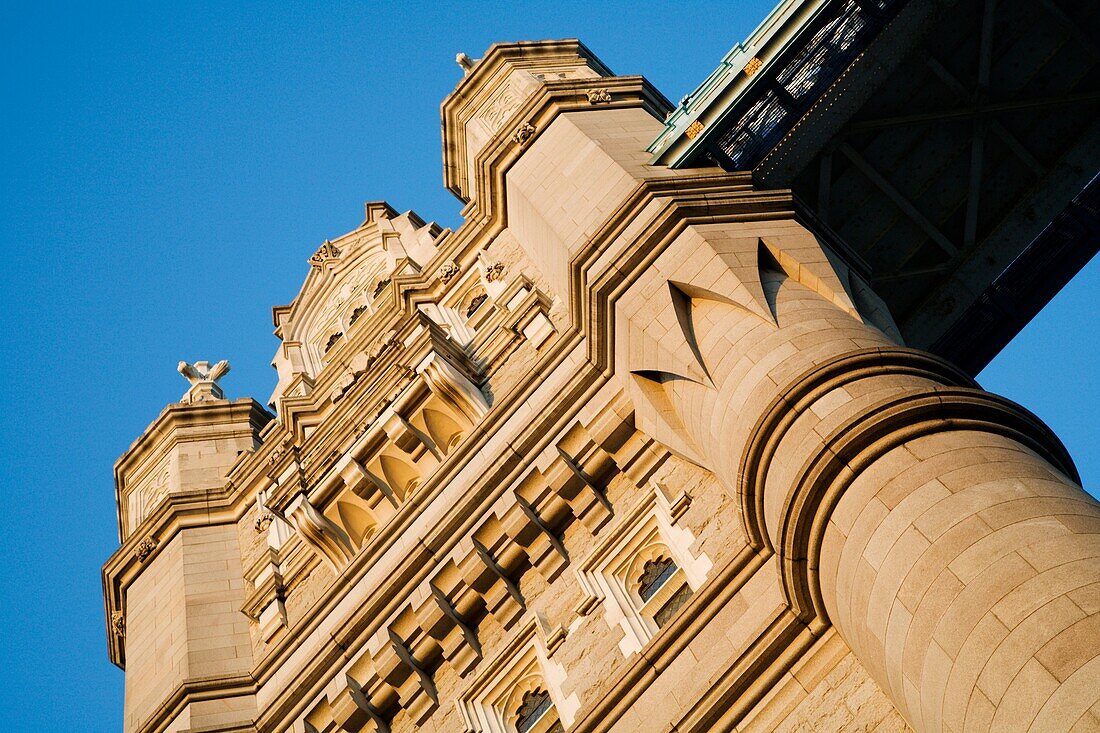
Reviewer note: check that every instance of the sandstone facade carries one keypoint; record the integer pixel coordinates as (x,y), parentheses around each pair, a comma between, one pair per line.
(633,449)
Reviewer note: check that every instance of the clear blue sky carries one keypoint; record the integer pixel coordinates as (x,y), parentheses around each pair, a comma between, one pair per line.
(167,169)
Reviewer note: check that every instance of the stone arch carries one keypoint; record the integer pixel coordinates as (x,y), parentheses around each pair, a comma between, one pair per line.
(402,477)
(530,707)
(359,522)
(444,430)
(473,300)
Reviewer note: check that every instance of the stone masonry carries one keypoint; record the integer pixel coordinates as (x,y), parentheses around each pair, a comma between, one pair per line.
(633,449)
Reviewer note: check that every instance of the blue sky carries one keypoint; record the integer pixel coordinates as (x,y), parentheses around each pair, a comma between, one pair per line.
(167,169)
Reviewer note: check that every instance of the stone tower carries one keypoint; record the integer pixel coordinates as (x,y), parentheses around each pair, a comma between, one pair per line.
(633,449)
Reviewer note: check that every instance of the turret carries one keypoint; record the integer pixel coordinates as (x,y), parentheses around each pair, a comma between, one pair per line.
(174,588)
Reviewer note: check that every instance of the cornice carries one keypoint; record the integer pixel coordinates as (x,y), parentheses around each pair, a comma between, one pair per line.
(553,98)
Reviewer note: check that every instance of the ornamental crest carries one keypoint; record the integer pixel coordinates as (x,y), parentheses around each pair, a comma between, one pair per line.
(145,548)
(447,271)
(118,624)
(327,251)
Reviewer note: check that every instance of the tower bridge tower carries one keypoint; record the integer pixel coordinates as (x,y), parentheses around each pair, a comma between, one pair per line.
(639,447)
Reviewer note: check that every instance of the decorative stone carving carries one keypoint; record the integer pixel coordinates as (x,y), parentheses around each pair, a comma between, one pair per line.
(500,108)
(693,130)
(145,548)
(280,449)
(118,624)
(263,521)
(494,272)
(327,251)
(523,133)
(320,532)
(598,96)
(465,62)
(204,380)
(447,271)
(753,66)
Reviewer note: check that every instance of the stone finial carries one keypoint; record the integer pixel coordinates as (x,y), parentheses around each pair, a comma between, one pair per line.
(204,380)
(465,62)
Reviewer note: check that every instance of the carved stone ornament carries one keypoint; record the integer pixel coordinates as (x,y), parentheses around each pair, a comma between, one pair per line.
(523,133)
(145,548)
(494,272)
(263,521)
(598,96)
(465,62)
(500,108)
(327,251)
(447,271)
(118,624)
(203,379)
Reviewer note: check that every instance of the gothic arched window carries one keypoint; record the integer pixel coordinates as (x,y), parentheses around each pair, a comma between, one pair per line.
(475,303)
(655,573)
(355,314)
(536,713)
(663,589)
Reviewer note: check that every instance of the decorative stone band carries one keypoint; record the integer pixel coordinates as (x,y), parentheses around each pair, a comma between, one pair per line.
(857,443)
(803,391)
(192,691)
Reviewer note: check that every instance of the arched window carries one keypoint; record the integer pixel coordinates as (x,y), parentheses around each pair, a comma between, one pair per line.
(475,303)
(654,574)
(663,589)
(355,314)
(643,570)
(536,713)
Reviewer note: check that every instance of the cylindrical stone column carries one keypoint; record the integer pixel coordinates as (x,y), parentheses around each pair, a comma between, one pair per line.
(938,527)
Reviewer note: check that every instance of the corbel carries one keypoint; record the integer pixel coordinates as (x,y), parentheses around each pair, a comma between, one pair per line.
(353,711)
(486,576)
(320,532)
(544,548)
(415,687)
(454,387)
(576,487)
